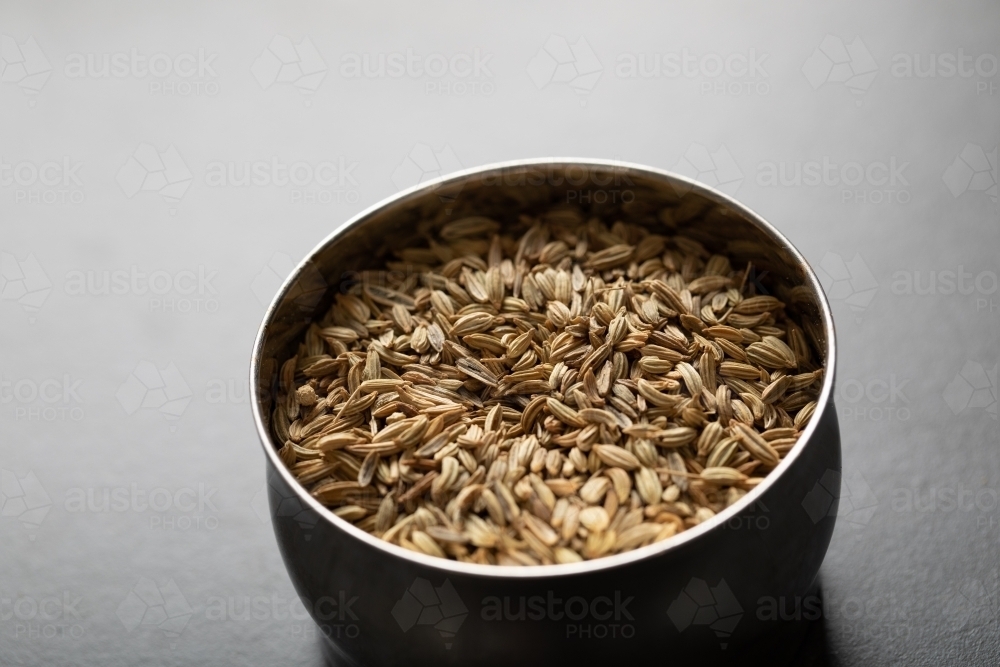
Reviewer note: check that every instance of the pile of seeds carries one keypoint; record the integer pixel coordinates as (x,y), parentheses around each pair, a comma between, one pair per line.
(549,392)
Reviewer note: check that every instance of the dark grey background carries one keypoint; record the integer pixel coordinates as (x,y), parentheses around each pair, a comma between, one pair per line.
(911,577)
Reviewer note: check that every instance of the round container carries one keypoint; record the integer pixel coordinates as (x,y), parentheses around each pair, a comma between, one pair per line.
(728,590)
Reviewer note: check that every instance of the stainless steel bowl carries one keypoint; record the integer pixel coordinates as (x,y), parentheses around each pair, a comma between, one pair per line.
(727,589)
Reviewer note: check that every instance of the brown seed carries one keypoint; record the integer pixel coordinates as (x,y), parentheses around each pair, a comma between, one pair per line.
(616,457)
(609,257)
(776,389)
(622,482)
(477,371)
(757,304)
(636,536)
(564,413)
(367,470)
(562,487)
(758,447)
(350,512)
(334,441)
(593,491)
(675,437)
(565,555)
(657,398)
(426,544)
(711,434)
(541,530)
(738,370)
(378,386)
(723,475)
(771,352)
(386,514)
(692,379)
(472,323)
(599,544)
(647,483)
(595,519)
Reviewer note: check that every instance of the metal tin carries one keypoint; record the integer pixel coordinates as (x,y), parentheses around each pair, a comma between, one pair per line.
(726,589)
